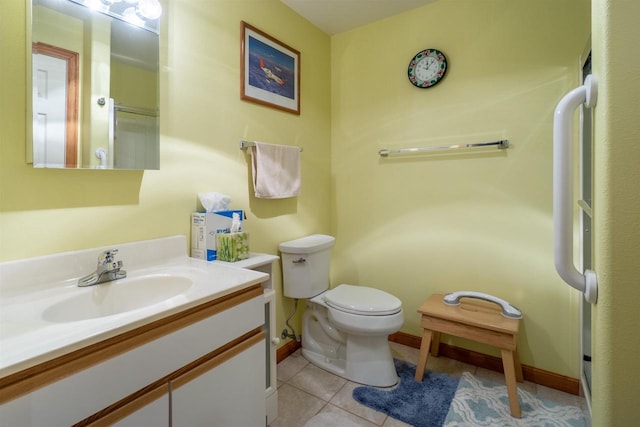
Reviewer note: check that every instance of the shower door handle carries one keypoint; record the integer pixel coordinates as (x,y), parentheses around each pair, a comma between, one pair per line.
(586,282)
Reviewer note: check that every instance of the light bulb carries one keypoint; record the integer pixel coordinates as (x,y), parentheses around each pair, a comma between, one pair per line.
(96,5)
(131,16)
(149,9)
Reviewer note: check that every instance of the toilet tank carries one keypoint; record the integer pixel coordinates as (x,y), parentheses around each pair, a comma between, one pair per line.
(305,265)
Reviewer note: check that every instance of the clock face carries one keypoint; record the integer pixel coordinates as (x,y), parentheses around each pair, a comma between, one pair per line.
(427,68)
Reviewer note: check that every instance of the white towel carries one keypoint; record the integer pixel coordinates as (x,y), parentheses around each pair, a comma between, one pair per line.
(276,170)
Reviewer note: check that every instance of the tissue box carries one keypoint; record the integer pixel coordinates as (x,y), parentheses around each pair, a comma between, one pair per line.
(232,247)
(204,228)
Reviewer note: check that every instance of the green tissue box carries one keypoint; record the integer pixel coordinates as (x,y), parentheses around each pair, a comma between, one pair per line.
(232,247)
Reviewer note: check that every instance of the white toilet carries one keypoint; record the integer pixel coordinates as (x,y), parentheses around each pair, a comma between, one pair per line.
(344,330)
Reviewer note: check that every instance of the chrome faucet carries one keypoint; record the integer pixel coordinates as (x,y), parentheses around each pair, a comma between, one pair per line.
(108,269)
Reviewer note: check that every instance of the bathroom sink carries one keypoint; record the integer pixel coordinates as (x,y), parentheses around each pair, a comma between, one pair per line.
(116,297)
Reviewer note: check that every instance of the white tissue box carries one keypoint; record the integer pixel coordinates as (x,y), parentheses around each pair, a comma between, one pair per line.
(205,226)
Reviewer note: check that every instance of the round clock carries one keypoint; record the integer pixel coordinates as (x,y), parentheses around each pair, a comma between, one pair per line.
(427,68)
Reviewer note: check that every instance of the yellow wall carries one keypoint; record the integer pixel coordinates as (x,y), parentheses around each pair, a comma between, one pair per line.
(57,29)
(616,205)
(95,84)
(418,225)
(411,226)
(133,86)
(202,121)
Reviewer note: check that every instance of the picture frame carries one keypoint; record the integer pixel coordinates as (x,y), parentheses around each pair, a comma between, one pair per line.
(269,70)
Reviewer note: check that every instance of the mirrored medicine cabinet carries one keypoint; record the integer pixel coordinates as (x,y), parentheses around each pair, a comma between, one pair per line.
(95,85)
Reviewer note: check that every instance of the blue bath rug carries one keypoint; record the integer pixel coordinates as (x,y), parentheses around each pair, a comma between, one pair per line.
(482,403)
(424,404)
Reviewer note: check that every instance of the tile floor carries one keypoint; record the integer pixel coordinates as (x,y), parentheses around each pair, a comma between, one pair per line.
(305,390)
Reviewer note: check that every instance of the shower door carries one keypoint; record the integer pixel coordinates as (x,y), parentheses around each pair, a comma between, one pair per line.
(586,166)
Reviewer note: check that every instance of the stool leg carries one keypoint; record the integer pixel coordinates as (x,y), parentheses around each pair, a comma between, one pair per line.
(516,361)
(424,354)
(510,380)
(435,344)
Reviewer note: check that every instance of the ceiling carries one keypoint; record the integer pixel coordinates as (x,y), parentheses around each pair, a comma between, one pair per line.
(337,16)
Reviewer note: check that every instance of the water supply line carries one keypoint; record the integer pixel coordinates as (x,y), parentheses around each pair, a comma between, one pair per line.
(285,332)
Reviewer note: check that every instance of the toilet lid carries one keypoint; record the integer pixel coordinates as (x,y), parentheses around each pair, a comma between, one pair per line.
(362,300)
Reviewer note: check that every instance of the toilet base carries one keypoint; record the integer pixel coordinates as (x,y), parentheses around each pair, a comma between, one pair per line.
(368,361)
(365,359)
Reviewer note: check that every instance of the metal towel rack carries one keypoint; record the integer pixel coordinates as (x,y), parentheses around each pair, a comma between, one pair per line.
(502,144)
(248,144)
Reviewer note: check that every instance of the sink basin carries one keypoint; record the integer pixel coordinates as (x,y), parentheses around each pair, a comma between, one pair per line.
(116,297)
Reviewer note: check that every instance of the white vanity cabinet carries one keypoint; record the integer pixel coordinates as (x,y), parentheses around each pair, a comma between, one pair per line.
(264,263)
(199,367)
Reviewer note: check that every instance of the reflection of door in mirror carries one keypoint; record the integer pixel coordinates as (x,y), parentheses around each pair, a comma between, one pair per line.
(55,106)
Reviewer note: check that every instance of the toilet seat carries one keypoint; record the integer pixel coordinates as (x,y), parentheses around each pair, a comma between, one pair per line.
(362,301)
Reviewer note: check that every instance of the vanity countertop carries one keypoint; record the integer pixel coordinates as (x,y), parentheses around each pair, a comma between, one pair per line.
(44,319)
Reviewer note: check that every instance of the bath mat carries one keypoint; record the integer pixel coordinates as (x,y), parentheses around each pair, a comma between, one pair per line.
(424,404)
(482,403)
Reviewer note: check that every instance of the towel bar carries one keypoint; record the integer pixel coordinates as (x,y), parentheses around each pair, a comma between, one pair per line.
(248,144)
(499,144)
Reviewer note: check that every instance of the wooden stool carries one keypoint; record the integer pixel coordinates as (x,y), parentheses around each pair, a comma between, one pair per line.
(478,321)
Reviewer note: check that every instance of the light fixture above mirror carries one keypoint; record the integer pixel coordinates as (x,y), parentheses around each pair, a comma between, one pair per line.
(142,13)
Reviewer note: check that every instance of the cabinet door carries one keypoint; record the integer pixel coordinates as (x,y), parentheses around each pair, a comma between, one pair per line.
(226,391)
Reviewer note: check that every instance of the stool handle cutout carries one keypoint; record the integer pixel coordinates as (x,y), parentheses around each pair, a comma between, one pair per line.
(508,310)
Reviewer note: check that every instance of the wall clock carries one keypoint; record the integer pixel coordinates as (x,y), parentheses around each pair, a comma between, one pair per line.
(427,68)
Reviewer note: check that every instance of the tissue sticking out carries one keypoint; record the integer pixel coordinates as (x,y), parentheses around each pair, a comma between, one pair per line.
(214,202)
(236,225)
